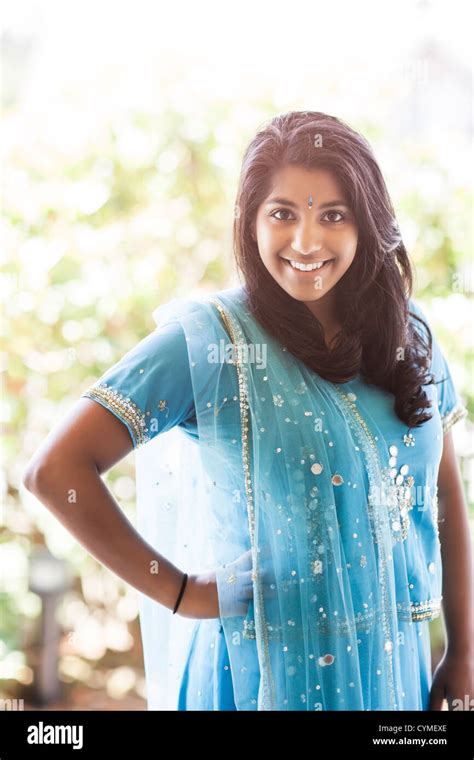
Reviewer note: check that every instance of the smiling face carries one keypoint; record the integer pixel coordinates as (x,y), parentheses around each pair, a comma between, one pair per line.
(305,219)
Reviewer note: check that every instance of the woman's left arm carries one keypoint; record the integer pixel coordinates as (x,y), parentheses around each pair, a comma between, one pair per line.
(454,677)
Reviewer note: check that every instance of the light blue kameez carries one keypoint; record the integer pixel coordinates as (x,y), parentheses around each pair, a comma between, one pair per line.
(158,374)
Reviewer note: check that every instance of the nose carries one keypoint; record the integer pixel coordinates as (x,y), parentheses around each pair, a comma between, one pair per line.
(298,247)
(304,241)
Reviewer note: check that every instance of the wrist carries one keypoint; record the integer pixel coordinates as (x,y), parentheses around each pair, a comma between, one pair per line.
(200,597)
(460,650)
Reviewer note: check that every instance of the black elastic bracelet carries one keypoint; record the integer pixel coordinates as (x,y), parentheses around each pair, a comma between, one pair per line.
(180,596)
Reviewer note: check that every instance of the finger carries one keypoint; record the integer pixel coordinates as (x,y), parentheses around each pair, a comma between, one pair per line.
(245,560)
(245,593)
(245,583)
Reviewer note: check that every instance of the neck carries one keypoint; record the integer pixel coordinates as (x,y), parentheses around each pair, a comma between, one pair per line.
(325,312)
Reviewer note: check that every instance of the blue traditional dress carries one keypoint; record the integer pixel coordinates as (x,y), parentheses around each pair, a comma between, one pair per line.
(313,501)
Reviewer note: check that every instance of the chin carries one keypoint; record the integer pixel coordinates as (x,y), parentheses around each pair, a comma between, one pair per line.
(305,291)
(315,295)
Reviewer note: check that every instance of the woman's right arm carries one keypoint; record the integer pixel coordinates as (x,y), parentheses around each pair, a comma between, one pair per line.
(65,475)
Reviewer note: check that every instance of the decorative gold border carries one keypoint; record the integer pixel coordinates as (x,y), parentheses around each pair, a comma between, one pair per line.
(450,418)
(268,699)
(428,610)
(124,407)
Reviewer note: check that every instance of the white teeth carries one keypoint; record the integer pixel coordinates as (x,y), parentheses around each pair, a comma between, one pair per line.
(306,267)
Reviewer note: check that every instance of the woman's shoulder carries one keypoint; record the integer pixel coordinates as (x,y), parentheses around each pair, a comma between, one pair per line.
(206,307)
(419,319)
(198,302)
(414,307)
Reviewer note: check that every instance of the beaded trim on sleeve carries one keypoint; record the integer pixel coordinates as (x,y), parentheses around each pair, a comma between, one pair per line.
(456,414)
(124,407)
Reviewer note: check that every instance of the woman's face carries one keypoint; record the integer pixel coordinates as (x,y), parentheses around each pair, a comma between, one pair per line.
(305,219)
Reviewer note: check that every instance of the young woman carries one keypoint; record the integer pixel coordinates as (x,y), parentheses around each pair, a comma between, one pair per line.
(316,485)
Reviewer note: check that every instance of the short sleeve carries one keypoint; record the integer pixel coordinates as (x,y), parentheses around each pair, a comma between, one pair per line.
(150,388)
(450,405)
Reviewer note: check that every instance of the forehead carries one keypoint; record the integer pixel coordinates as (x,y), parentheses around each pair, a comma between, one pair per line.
(299,182)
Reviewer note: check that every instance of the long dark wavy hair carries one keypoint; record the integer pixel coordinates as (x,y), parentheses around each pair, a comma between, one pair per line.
(378,339)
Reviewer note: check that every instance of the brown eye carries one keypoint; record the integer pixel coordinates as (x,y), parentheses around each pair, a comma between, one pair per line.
(280,211)
(335,212)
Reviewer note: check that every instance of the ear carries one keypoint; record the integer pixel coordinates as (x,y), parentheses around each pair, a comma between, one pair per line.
(253,233)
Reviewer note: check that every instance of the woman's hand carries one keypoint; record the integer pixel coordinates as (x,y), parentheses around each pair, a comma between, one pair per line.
(454,681)
(225,591)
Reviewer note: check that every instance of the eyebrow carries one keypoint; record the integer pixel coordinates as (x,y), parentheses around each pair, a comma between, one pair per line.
(286,202)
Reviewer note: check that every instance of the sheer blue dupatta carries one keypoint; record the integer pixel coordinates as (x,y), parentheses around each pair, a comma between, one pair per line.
(330,617)
(285,497)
